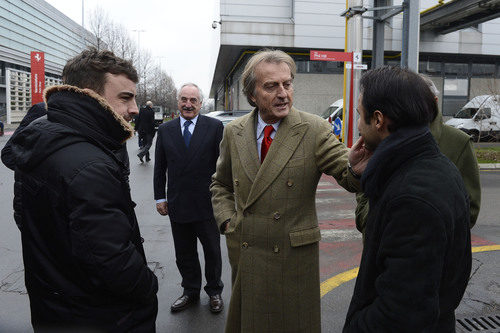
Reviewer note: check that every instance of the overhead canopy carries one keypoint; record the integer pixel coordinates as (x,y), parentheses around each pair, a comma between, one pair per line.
(458,14)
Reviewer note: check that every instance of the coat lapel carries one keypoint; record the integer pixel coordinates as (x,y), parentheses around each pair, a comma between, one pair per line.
(287,139)
(177,139)
(200,131)
(246,144)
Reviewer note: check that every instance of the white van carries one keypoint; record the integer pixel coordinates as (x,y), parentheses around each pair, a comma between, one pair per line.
(334,111)
(480,117)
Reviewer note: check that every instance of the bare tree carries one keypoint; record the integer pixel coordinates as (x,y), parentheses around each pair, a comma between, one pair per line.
(99,25)
(154,84)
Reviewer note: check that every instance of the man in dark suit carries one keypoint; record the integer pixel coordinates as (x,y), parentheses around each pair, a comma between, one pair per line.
(146,129)
(187,148)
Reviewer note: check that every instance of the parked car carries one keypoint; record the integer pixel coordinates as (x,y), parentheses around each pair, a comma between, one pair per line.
(214,113)
(227,116)
(334,111)
(480,118)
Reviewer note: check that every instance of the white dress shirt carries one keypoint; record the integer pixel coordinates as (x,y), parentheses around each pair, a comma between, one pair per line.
(260,132)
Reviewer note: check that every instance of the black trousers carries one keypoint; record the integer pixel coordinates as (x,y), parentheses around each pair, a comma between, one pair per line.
(147,142)
(186,254)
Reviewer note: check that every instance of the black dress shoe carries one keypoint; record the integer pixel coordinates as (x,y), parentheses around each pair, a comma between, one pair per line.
(216,303)
(140,158)
(183,302)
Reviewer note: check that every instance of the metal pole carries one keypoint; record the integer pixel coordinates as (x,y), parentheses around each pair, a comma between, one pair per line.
(378,35)
(83,24)
(139,53)
(411,34)
(355,45)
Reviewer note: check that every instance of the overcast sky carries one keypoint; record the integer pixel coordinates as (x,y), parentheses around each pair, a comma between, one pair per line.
(178,33)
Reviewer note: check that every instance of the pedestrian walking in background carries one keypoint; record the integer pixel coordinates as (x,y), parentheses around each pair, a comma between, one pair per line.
(186,150)
(85,266)
(145,126)
(416,257)
(263,194)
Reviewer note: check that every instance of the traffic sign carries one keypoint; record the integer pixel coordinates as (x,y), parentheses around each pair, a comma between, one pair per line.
(330,55)
(337,126)
(357,57)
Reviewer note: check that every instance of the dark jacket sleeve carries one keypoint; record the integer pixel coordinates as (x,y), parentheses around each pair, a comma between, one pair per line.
(160,176)
(104,234)
(410,257)
(36,111)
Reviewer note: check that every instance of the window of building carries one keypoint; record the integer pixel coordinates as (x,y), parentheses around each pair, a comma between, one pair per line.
(319,67)
(430,67)
(456,69)
(455,95)
(483,69)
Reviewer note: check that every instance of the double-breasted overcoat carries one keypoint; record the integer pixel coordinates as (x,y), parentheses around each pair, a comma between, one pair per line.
(273,233)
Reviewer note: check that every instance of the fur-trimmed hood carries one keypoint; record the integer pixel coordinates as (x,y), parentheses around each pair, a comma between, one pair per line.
(88,92)
(73,115)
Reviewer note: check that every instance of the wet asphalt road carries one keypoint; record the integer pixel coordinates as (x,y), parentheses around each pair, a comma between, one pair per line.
(340,251)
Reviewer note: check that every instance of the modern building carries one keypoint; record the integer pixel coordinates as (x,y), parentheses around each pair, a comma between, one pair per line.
(463,63)
(32,25)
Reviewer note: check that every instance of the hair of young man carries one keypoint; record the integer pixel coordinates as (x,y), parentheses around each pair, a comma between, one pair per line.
(400,94)
(190,84)
(248,78)
(88,69)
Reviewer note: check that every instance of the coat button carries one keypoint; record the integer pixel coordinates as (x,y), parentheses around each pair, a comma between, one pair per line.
(236,182)
(277,216)
(276,249)
(289,183)
(244,245)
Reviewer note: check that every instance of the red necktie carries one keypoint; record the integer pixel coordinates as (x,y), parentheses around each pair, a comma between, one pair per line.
(266,142)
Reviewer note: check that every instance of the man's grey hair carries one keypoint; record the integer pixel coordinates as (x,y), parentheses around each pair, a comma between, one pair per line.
(149,103)
(431,84)
(248,78)
(190,84)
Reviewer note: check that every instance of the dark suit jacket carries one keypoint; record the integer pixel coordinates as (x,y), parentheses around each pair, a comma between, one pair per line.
(145,122)
(189,169)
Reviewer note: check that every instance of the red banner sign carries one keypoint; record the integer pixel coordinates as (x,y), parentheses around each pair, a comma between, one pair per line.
(330,55)
(37,77)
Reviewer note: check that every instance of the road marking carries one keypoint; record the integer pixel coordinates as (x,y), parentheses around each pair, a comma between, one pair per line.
(476,249)
(337,280)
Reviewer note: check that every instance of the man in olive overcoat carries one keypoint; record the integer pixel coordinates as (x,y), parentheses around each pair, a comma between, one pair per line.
(264,201)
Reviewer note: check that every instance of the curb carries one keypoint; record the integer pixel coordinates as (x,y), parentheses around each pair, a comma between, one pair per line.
(489,165)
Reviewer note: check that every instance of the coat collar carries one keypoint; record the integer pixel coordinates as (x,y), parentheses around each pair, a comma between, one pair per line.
(405,144)
(287,139)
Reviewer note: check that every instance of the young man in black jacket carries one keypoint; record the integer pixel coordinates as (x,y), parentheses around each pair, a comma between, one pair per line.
(416,258)
(85,266)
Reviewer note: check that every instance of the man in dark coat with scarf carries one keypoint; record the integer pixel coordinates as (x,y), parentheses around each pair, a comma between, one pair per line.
(416,258)
(85,266)
(145,126)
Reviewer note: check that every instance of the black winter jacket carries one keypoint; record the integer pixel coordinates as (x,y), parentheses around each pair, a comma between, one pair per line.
(416,258)
(84,262)
(145,121)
